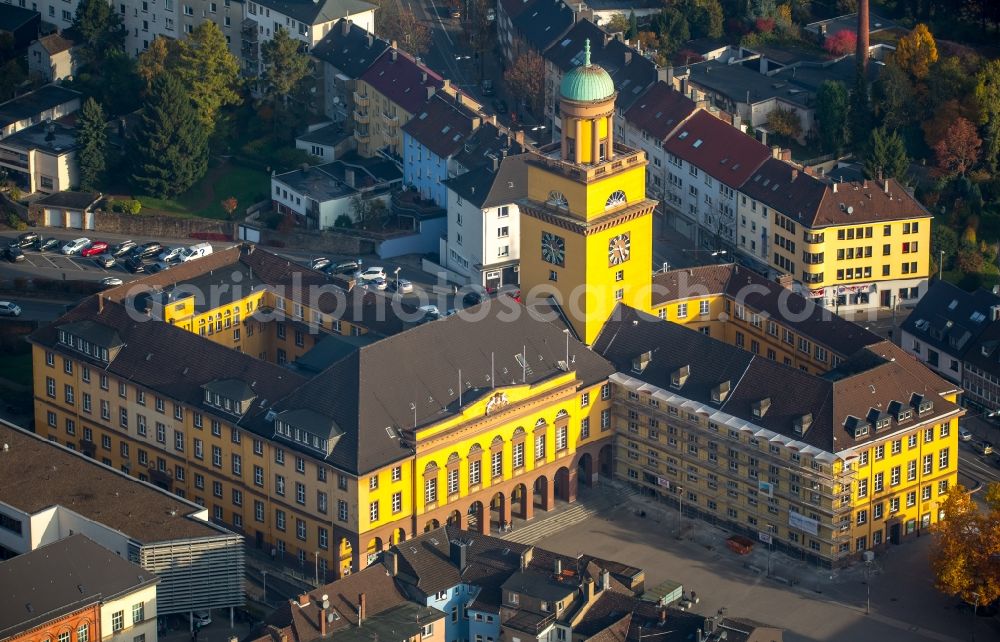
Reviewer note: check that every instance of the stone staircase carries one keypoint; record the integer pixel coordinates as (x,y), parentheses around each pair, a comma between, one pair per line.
(600,500)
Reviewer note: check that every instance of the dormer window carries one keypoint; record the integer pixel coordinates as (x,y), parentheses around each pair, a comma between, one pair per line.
(856,427)
(679,377)
(801,424)
(720,392)
(760,407)
(639,363)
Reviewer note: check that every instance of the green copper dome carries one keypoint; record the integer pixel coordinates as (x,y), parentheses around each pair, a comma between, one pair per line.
(587,83)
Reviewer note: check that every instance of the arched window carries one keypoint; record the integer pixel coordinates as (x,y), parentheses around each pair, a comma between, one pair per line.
(617,198)
(498,440)
(557,199)
(476,449)
(540,422)
(430,467)
(83,633)
(561,414)
(453,458)
(519,432)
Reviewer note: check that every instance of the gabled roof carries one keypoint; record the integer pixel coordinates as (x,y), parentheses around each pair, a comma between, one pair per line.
(57,42)
(766,297)
(544,22)
(717,148)
(660,111)
(56,579)
(443,125)
(489,142)
(35,102)
(514,8)
(372,395)
(786,189)
(314,12)
(865,202)
(488,187)
(351,50)
(873,377)
(983,352)
(951,320)
(403,80)
(13,17)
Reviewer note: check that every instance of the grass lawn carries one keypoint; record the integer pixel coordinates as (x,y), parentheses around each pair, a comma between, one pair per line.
(246,184)
(16,367)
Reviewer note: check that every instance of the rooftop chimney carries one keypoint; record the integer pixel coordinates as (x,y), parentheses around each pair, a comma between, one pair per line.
(526,558)
(304,599)
(430,91)
(605,579)
(391,562)
(345,25)
(776,151)
(558,567)
(519,137)
(862,53)
(324,609)
(885,185)
(349,176)
(459,554)
(362,607)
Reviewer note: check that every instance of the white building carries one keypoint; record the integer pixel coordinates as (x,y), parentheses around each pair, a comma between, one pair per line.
(41,158)
(45,103)
(483,243)
(53,57)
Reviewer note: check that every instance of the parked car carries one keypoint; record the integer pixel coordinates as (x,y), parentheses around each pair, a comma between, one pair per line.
(202,618)
(195,251)
(135,264)
(48,244)
(147,250)
(111,281)
(372,274)
(8,309)
(95,248)
(75,246)
(346,267)
(158,266)
(14,254)
(123,248)
(500,106)
(171,254)
(105,260)
(984,447)
(377,284)
(319,263)
(488,87)
(430,311)
(964,434)
(27,239)
(403,286)
(472,298)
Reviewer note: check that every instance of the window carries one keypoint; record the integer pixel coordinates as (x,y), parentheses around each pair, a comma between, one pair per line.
(300,493)
(83,633)
(561,439)
(279,485)
(430,490)
(878,482)
(118,620)
(397,502)
(943,459)
(373,482)
(279,519)
(475,472)
(373,511)
(862,517)
(517,457)
(585,400)
(496,464)
(216,456)
(138,612)
(397,473)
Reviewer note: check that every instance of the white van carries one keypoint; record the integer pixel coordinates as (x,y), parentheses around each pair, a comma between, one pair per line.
(195,252)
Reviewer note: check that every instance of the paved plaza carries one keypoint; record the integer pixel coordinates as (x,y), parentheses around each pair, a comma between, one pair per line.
(810,603)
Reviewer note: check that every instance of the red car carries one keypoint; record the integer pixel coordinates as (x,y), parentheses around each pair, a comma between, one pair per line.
(95,248)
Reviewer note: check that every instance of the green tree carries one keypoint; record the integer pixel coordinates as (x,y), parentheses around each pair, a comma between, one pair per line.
(706,19)
(287,79)
(92,145)
(987,92)
(886,157)
(894,97)
(210,73)
(831,112)
(12,74)
(171,145)
(859,115)
(159,58)
(944,239)
(633,26)
(101,29)
(618,23)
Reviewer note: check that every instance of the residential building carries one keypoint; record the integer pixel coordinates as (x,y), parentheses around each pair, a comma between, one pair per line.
(947,326)
(144,20)
(19,24)
(508,11)
(305,20)
(76,589)
(981,370)
(538,25)
(345,52)
(708,162)
(483,243)
(389,94)
(49,102)
(54,57)
(41,158)
(368,604)
(863,245)
(48,493)
(857,458)
(431,141)
(586,203)
(317,196)
(738,306)
(327,142)
(68,210)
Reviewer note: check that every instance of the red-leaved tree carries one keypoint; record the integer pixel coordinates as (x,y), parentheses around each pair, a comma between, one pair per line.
(958,151)
(841,43)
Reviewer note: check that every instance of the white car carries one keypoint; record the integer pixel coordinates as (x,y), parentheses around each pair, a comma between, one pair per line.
(171,254)
(430,311)
(75,246)
(8,309)
(195,252)
(964,434)
(111,282)
(202,618)
(372,274)
(377,284)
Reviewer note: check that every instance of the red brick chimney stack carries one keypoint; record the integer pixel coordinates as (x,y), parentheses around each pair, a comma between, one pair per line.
(862,52)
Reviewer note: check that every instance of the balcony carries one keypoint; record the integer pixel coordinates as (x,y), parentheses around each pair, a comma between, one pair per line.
(362,135)
(625,157)
(359,100)
(361,117)
(13,159)
(390,119)
(250,31)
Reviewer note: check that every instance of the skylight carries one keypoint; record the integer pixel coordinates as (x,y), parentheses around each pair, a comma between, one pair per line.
(953,304)
(696,144)
(682,136)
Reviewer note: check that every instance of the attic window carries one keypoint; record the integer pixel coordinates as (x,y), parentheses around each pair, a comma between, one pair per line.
(639,363)
(953,304)
(760,407)
(445,129)
(423,115)
(682,136)
(680,376)
(856,427)
(802,423)
(720,392)
(977,316)
(696,144)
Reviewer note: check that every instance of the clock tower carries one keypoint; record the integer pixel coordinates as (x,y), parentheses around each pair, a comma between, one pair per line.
(586,224)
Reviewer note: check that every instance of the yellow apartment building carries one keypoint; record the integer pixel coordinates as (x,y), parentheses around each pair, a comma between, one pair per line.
(857,458)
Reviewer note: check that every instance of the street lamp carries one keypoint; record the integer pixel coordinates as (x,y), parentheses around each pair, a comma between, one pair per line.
(316,553)
(868,586)
(974,609)
(680,509)
(941,265)
(265,586)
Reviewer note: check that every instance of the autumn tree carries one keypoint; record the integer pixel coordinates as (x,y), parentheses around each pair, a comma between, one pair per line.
(958,151)
(886,157)
(395,22)
(965,554)
(894,97)
(916,52)
(841,43)
(618,23)
(525,79)
(160,57)
(229,206)
(209,71)
(831,112)
(785,123)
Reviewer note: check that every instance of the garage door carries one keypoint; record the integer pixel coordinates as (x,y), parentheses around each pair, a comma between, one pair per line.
(53,218)
(249,234)
(76,220)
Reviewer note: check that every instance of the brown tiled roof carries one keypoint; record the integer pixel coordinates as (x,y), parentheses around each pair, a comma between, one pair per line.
(56,42)
(36,474)
(401,79)
(660,111)
(785,189)
(351,53)
(443,125)
(869,202)
(764,296)
(381,594)
(725,153)
(874,376)
(428,378)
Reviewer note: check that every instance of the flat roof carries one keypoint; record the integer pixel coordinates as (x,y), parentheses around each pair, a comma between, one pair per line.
(34,102)
(36,474)
(52,138)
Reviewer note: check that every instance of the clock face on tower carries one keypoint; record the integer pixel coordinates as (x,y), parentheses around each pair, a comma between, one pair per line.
(618,249)
(553,249)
